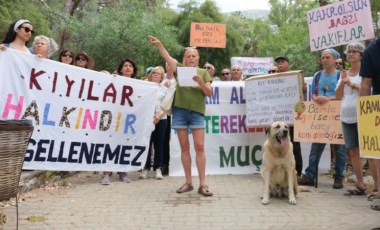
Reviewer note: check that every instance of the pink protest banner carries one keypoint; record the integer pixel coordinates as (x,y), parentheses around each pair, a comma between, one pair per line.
(208,35)
(318,123)
(340,23)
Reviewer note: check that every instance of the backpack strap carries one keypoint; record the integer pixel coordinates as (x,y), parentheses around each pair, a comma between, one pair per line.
(317,77)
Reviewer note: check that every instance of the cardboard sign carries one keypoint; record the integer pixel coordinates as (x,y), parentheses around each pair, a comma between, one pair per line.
(340,23)
(208,35)
(318,123)
(369,126)
(271,98)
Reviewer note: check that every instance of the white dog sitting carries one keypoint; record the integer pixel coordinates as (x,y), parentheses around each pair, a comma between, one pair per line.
(279,173)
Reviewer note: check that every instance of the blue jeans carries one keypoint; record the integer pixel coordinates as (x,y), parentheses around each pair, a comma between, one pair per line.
(187,119)
(350,134)
(315,154)
(157,140)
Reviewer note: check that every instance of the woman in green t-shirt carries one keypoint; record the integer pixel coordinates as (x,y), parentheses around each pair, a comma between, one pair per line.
(188,113)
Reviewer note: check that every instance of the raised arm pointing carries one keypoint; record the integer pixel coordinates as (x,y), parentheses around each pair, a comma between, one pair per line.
(164,53)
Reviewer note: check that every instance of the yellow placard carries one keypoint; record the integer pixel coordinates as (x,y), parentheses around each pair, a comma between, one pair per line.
(369,126)
(208,35)
(318,123)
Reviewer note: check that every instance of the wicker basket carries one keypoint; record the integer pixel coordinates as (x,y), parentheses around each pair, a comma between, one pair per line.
(14,139)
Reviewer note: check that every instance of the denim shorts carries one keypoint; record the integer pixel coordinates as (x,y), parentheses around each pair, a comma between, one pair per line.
(187,119)
(351,136)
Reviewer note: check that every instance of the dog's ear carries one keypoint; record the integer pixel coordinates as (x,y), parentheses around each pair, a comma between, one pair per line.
(267,131)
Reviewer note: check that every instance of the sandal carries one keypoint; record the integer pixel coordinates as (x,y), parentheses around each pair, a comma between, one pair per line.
(376,206)
(204,190)
(355,192)
(372,195)
(185,188)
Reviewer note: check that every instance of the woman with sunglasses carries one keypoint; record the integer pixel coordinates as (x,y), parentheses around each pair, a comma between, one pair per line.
(82,59)
(18,35)
(126,68)
(44,47)
(67,57)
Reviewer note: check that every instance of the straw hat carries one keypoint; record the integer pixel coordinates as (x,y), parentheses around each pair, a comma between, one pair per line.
(90,60)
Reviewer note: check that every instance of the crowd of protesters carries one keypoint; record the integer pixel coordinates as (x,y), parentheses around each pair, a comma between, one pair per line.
(188,112)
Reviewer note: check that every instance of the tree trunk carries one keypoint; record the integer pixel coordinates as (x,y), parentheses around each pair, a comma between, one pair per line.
(71,5)
(323,2)
(151,3)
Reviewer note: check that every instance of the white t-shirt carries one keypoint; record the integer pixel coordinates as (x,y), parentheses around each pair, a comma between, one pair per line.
(348,109)
(160,97)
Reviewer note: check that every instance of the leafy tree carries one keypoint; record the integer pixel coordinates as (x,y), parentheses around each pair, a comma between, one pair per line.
(110,30)
(111,34)
(252,31)
(375,9)
(11,11)
(291,37)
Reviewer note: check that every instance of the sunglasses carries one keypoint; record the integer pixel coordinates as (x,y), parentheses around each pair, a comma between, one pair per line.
(272,71)
(207,67)
(338,63)
(80,59)
(67,55)
(225,74)
(27,30)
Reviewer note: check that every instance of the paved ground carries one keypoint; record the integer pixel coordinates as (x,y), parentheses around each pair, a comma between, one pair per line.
(152,204)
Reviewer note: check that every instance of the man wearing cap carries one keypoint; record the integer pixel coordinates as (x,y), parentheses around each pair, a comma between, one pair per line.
(323,90)
(283,66)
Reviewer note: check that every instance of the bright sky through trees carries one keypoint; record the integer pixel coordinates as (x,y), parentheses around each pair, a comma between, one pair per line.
(231,5)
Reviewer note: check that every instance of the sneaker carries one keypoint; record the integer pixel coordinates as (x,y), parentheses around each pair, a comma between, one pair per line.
(124,177)
(144,174)
(304,180)
(158,174)
(105,180)
(338,183)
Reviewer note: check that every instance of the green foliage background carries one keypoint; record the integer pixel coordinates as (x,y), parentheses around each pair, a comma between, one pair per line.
(116,29)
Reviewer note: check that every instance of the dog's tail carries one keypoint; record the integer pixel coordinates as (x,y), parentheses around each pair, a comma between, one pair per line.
(303,189)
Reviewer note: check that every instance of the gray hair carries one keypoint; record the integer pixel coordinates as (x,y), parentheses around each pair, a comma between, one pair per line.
(358,46)
(52,45)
